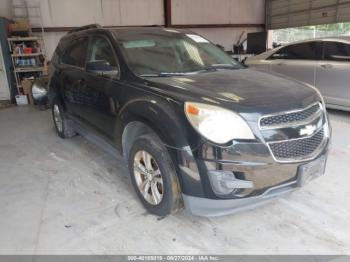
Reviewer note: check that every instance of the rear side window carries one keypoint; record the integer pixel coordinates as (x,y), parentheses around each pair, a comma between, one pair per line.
(335,51)
(303,51)
(75,54)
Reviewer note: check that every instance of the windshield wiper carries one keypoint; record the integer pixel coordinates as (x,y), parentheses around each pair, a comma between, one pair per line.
(149,75)
(214,67)
(161,74)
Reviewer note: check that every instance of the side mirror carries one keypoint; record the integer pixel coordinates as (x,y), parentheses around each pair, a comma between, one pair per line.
(102,67)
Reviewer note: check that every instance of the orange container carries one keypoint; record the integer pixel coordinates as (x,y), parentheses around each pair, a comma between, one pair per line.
(28,50)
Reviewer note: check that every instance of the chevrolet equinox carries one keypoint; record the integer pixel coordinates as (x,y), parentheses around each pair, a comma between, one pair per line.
(196,128)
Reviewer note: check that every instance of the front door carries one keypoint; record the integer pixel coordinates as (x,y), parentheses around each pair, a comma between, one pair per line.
(102,91)
(333,74)
(4,87)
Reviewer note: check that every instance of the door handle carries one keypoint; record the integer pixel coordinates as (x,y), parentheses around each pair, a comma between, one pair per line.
(280,64)
(326,66)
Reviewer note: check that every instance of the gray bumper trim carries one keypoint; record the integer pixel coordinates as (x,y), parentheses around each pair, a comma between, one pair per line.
(219,207)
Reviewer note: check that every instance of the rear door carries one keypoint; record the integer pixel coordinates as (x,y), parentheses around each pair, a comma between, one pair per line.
(333,73)
(72,71)
(297,61)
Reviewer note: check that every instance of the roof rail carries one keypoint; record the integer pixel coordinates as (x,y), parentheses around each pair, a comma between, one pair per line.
(153,25)
(85,27)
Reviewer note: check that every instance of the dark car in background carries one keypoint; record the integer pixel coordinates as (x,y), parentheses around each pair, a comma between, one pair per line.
(196,128)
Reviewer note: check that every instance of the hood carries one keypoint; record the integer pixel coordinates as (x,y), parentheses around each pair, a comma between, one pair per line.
(244,91)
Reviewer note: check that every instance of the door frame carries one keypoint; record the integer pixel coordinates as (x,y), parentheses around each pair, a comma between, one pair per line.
(4,77)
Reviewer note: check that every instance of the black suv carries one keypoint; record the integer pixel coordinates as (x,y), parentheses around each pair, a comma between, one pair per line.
(196,127)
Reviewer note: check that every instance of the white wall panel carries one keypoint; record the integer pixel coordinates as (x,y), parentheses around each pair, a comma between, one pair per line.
(218,12)
(70,13)
(5,8)
(144,12)
(51,40)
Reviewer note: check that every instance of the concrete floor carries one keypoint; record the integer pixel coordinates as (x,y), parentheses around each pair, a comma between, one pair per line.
(69,197)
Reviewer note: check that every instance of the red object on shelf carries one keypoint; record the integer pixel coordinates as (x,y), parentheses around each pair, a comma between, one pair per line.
(28,50)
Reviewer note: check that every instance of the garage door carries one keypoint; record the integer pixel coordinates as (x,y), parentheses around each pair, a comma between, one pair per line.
(293,13)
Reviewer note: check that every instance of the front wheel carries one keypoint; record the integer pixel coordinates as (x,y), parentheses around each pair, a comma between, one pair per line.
(153,176)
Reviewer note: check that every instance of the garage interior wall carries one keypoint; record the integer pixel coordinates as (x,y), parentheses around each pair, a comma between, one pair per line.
(235,16)
(294,13)
(223,26)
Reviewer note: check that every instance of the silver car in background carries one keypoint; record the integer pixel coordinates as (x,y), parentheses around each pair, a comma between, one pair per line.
(323,63)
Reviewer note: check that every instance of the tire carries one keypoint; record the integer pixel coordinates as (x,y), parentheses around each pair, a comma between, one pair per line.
(63,129)
(168,191)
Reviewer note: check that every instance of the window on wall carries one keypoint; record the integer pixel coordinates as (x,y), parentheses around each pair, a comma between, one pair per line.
(302,51)
(76,53)
(335,51)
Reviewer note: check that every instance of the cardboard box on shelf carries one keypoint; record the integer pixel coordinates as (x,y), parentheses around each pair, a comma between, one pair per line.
(27,89)
(20,26)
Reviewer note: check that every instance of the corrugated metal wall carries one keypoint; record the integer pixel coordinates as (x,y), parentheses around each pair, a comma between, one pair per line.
(71,13)
(218,12)
(294,13)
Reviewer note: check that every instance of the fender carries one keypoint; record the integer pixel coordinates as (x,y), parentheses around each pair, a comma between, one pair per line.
(159,115)
(153,114)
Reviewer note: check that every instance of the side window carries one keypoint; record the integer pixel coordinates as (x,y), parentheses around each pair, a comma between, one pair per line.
(101,49)
(335,51)
(303,51)
(75,54)
(280,54)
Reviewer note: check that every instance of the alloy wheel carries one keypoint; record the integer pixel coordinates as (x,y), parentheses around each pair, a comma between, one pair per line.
(148,177)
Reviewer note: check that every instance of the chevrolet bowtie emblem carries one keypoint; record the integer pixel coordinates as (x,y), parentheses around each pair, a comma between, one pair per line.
(307,130)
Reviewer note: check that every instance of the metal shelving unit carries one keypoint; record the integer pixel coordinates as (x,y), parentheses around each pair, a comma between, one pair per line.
(20,69)
(32,13)
(27,55)
(29,69)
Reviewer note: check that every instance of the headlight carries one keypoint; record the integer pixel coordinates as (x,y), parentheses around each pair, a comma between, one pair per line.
(217,124)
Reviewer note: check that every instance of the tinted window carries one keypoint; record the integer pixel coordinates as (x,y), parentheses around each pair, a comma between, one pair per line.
(304,51)
(76,53)
(336,51)
(102,50)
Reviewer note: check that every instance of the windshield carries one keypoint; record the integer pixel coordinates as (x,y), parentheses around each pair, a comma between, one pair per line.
(159,53)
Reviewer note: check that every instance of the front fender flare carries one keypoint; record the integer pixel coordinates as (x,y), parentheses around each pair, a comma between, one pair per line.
(163,118)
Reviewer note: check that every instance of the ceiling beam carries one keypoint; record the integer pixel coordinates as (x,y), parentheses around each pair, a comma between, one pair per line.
(217,25)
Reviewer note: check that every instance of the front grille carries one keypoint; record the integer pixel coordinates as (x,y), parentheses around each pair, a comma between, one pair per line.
(289,118)
(296,149)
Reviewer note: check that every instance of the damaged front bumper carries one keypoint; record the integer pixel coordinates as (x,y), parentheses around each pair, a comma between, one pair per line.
(252,184)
